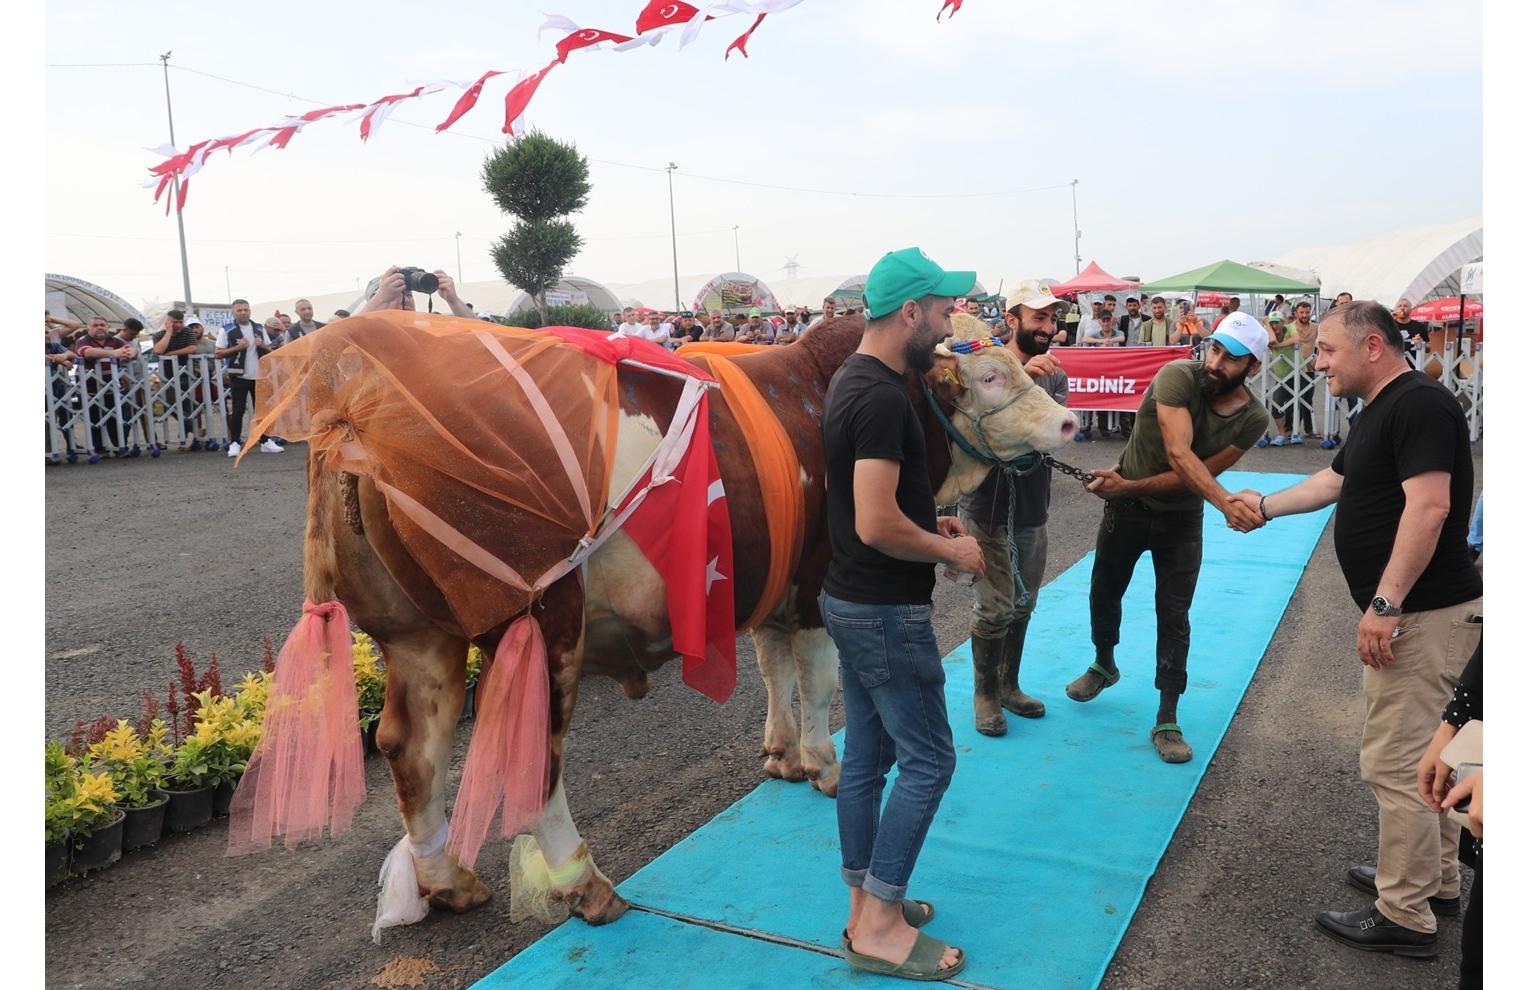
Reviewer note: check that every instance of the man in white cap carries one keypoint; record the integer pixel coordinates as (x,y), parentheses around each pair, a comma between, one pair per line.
(1000,614)
(1196,419)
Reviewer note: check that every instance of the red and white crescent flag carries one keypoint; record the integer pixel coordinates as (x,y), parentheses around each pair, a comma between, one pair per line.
(695,563)
(953,6)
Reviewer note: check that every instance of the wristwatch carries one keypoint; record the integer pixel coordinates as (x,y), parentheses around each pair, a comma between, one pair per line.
(1382,606)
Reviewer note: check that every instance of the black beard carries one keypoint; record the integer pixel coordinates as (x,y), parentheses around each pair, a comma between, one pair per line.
(1212,390)
(1032,345)
(920,346)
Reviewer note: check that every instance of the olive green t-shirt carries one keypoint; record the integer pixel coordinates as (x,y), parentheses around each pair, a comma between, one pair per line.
(1179,384)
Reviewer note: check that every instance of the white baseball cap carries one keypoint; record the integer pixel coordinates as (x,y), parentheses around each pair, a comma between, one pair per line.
(1033,293)
(1241,335)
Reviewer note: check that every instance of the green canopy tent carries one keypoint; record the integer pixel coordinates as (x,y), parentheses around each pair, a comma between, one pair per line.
(1228,276)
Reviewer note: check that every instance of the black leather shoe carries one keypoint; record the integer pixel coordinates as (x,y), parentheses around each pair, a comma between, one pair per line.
(1362,877)
(1373,932)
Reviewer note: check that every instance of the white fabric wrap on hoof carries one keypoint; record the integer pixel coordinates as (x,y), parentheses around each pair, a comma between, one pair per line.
(399,902)
(532,882)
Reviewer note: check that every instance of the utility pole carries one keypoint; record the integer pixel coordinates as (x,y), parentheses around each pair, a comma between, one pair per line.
(673,233)
(737,258)
(1076,233)
(458,257)
(227,285)
(180,223)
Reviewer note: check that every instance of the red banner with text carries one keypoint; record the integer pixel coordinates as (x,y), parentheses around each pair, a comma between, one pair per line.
(1112,379)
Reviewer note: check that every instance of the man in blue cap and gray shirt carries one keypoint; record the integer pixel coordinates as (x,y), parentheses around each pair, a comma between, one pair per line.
(877,606)
(1196,420)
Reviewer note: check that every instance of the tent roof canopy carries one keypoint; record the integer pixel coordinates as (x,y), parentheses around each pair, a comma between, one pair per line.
(1092,279)
(1228,276)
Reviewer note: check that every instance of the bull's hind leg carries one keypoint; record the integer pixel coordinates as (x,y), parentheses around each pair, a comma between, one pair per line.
(574,878)
(817,672)
(781,751)
(426,684)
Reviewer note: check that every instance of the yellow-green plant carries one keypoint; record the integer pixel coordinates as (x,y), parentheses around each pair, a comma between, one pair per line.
(74,801)
(224,737)
(370,678)
(474,664)
(252,692)
(134,764)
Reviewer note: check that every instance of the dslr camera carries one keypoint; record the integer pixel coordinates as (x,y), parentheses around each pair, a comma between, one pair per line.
(418,280)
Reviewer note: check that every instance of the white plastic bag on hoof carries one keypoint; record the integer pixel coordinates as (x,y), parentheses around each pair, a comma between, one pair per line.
(530,884)
(399,902)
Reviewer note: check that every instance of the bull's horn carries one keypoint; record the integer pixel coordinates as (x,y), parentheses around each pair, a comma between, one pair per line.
(943,351)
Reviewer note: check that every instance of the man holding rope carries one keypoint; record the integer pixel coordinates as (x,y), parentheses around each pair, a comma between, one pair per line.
(1005,600)
(1196,420)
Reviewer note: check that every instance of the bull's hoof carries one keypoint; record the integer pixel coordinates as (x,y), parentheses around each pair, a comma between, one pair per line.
(785,768)
(826,780)
(595,900)
(463,897)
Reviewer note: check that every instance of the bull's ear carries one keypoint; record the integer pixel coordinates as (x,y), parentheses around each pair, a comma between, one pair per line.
(944,377)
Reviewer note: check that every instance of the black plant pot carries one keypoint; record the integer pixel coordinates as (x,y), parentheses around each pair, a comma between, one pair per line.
(469,703)
(370,736)
(98,848)
(56,859)
(222,797)
(188,809)
(143,826)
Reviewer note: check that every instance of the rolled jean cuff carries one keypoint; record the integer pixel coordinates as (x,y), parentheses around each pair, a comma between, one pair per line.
(882,890)
(854,878)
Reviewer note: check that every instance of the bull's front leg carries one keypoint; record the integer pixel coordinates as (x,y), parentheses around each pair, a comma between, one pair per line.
(781,750)
(817,672)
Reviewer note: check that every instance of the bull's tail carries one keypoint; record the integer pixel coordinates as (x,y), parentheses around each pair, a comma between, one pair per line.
(306,773)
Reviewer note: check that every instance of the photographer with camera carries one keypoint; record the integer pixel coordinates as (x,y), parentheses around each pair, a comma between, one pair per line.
(395,288)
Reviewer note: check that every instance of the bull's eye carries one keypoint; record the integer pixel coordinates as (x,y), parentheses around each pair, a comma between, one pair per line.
(992,378)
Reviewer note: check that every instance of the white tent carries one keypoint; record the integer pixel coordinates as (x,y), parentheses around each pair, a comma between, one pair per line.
(66,295)
(489,296)
(659,292)
(573,289)
(1420,263)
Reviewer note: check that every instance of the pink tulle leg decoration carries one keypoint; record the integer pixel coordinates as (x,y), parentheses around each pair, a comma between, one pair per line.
(507,759)
(307,771)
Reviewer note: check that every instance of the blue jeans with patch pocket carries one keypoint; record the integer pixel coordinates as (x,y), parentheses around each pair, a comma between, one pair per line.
(894,715)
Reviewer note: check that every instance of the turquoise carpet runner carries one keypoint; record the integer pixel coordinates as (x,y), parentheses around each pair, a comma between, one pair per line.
(1043,845)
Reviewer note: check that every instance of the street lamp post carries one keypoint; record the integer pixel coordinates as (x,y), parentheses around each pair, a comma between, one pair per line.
(458,257)
(227,285)
(673,233)
(180,223)
(737,258)
(1076,233)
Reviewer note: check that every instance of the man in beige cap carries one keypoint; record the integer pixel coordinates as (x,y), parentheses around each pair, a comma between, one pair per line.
(1005,601)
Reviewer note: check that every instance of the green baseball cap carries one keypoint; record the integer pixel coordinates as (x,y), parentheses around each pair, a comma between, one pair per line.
(756,311)
(910,274)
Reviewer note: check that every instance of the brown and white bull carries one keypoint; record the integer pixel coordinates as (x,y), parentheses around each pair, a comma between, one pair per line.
(617,623)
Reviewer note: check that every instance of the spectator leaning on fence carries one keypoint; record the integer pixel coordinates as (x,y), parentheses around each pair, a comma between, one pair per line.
(242,344)
(175,345)
(99,351)
(58,359)
(1284,346)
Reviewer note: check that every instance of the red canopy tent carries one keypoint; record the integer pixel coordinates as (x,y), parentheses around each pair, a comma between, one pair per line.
(1446,310)
(1092,279)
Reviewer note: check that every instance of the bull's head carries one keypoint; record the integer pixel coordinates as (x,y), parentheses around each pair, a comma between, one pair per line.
(997,410)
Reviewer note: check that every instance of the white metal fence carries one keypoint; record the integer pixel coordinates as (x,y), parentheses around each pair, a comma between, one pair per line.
(129,408)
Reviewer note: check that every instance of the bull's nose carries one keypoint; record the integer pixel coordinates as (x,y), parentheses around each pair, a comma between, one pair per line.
(1068,428)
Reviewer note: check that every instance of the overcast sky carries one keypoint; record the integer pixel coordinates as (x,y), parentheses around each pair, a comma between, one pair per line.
(1197,131)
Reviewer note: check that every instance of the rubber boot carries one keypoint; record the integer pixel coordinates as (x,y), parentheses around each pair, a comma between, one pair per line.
(986,655)
(1012,696)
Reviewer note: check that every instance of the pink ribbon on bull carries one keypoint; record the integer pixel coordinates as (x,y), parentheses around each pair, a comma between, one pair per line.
(306,772)
(507,758)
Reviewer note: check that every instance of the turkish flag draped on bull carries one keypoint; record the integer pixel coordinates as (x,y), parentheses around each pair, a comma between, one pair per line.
(1112,379)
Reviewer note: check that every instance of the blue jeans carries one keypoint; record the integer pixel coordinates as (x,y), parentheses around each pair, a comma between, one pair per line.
(894,714)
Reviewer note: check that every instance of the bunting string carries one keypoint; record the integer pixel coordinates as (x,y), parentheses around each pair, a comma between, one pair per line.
(656,19)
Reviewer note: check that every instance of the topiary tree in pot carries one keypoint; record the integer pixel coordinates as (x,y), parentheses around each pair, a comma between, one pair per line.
(538,180)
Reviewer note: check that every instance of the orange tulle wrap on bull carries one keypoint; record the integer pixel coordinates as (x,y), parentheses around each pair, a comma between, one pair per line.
(493,448)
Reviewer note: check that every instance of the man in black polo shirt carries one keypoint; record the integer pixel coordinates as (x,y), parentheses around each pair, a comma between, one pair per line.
(877,606)
(1403,485)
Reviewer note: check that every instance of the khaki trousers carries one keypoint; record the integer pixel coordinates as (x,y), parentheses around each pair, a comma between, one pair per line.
(996,606)
(1418,848)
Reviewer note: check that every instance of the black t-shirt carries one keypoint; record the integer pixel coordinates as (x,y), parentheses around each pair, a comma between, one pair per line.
(1413,426)
(870,417)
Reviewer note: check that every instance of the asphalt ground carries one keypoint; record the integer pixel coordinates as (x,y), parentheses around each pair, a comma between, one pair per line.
(205,554)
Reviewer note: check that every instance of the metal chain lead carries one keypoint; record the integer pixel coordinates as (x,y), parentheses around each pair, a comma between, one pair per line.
(1086,477)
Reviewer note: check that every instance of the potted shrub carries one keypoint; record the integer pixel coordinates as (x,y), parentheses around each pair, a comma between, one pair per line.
(135,767)
(97,825)
(474,671)
(228,738)
(370,686)
(189,784)
(61,773)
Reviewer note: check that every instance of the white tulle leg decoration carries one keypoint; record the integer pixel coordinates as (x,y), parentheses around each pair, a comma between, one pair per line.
(399,902)
(532,882)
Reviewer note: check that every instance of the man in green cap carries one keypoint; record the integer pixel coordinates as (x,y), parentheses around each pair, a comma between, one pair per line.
(756,330)
(876,603)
